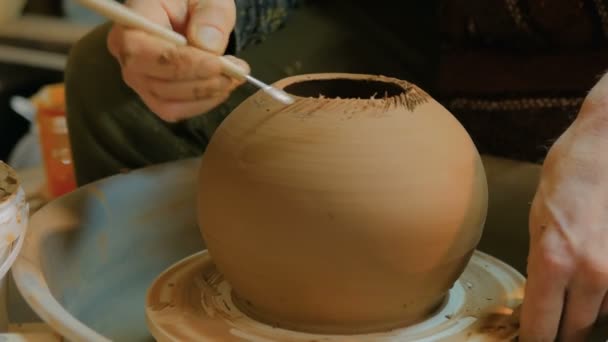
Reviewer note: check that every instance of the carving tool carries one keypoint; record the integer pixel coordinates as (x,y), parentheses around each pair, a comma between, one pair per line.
(123,15)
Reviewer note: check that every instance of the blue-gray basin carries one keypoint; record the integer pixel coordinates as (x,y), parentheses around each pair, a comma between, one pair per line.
(91,255)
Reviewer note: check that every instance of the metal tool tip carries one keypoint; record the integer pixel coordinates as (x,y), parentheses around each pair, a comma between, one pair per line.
(280,95)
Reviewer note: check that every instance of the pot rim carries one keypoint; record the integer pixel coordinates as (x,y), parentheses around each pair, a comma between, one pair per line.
(336,75)
(410,97)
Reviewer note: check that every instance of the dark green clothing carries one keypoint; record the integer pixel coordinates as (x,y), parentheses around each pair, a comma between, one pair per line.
(111,128)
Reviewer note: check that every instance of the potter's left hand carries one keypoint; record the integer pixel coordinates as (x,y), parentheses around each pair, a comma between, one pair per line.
(567,285)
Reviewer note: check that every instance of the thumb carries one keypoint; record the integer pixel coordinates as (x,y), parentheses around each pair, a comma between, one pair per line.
(210,24)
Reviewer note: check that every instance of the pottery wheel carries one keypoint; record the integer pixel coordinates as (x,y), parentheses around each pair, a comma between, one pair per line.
(191,301)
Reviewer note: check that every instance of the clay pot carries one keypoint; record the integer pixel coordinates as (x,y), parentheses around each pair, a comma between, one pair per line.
(353,210)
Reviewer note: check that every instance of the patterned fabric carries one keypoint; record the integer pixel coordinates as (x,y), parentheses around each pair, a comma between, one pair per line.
(256,19)
(515,72)
(526,24)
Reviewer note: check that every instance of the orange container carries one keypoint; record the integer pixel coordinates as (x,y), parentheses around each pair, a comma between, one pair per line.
(54,139)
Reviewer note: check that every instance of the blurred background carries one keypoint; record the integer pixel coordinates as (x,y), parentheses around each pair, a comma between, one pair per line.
(35,37)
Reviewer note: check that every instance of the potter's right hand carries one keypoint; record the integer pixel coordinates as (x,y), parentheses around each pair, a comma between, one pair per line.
(177,82)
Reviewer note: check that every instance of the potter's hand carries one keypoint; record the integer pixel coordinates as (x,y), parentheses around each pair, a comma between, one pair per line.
(568,261)
(178,82)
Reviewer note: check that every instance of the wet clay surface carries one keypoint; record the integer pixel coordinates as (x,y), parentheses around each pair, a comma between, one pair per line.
(192,301)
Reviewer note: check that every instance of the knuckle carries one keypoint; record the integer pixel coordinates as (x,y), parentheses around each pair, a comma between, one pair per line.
(167,56)
(555,263)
